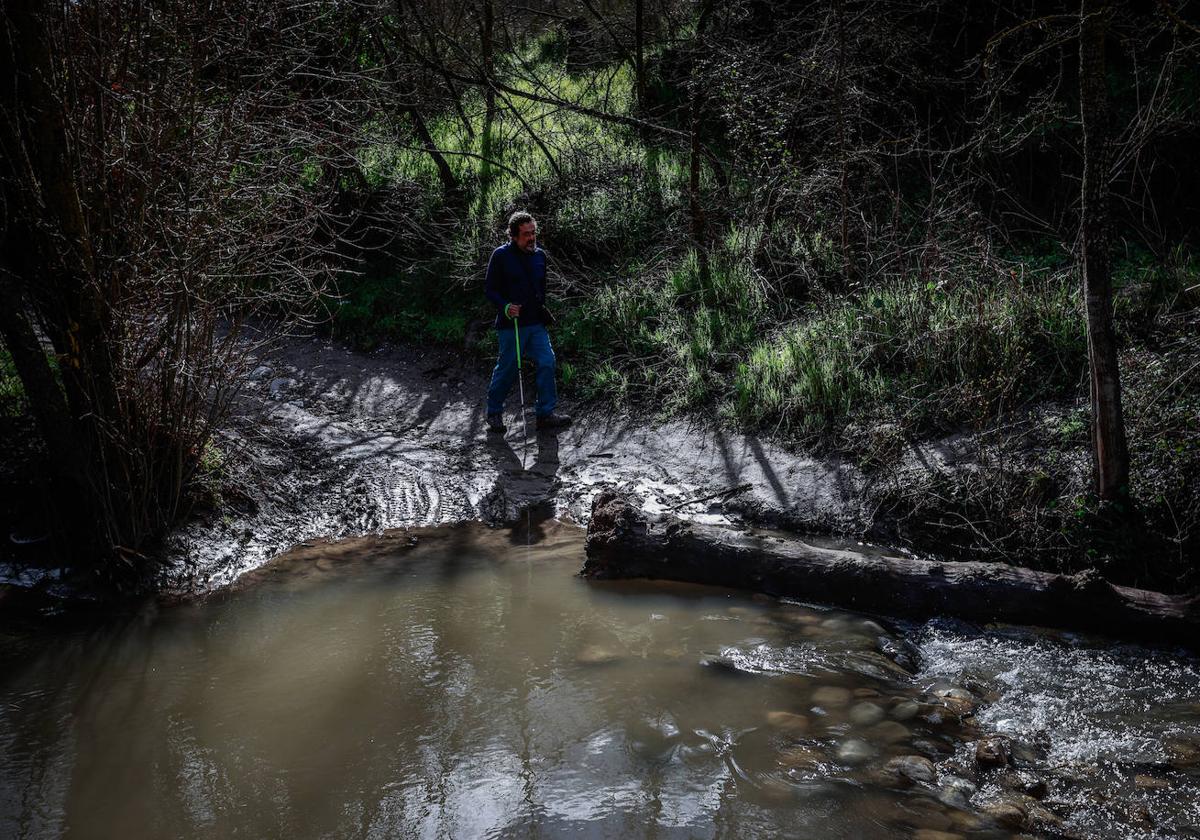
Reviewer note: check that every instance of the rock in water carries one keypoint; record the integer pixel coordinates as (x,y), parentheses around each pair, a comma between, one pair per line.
(993,751)
(801,757)
(866,713)
(831,697)
(1184,753)
(956,792)
(889,732)
(596,655)
(906,710)
(787,721)
(855,751)
(1007,814)
(913,767)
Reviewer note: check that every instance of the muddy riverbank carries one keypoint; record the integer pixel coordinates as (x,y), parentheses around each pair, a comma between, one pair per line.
(327,442)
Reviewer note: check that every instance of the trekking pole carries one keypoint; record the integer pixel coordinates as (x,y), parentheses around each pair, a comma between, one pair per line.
(520,382)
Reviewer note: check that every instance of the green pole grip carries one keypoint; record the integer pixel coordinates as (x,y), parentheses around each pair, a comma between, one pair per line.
(517,333)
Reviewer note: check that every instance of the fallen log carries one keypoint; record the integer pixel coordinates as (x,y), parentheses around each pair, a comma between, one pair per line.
(623,542)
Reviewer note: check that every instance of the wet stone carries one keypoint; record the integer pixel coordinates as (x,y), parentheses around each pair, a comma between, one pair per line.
(723,665)
(889,732)
(1183,753)
(596,655)
(787,721)
(913,767)
(866,714)
(1007,814)
(956,792)
(653,740)
(960,765)
(1023,781)
(905,710)
(934,834)
(831,697)
(884,663)
(1040,815)
(957,706)
(931,748)
(855,751)
(1150,782)
(993,751)
(1033,751)
(801,757)
(1139,812)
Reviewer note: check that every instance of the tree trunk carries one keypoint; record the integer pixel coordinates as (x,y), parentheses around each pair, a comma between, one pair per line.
(840,106)
(487,52)
(1111,457)
(623,542)
(47,402)
(450,185)
(695,206)
(49,262)
(451,88)
(639,62)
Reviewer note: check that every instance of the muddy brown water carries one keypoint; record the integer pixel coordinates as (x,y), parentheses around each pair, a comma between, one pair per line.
(467,683)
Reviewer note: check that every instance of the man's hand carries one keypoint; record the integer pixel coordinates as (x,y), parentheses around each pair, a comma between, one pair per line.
(513,310)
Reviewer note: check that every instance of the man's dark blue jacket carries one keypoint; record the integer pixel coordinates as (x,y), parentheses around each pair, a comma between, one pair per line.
(516,277)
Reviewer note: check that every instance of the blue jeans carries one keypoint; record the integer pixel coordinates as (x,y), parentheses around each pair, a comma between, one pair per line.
(535,345)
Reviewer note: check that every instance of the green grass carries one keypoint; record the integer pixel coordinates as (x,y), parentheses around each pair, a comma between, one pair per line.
(418,305)
(670,332)
(915,355)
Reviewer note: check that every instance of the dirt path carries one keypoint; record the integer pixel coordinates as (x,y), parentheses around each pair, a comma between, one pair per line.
(336,443)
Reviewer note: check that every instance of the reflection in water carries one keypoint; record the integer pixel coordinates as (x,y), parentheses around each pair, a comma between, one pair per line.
(458,686)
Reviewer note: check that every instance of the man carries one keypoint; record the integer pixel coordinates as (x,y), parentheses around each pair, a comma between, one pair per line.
(516,284)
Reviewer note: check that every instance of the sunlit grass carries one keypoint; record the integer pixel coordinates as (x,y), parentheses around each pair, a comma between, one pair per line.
(917,355)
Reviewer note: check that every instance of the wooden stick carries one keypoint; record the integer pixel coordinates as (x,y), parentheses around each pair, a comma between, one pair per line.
(729,492)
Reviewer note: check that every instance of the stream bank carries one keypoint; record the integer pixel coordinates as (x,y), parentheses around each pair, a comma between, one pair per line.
(328,442)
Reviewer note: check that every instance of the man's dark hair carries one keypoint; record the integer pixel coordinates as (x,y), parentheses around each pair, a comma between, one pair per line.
(516,220)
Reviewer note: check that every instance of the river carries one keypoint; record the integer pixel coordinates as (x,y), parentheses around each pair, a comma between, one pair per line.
(463,681)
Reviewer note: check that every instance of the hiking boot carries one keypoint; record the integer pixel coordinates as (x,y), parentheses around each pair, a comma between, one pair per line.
(495,423)
(553,421)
